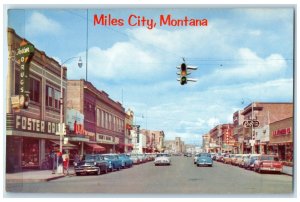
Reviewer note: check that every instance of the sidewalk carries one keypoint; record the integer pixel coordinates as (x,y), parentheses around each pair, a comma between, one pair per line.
(288,170)
(35,176)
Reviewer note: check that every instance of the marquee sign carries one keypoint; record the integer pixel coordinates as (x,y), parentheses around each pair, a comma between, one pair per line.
(24,55)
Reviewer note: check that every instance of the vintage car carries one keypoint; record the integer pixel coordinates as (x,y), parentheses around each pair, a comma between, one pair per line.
(195,158)
(240,161)
(204,159)
(135,159)
(162,159)
(113,161)
(126,161)
(269,163)
(227,158)
(91,163)
(236,159)
(249,163)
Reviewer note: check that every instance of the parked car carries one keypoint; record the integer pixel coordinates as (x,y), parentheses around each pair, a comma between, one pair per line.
(162,159)
(249,164)
(227,158)
(269,163)
(91,163)
(126,162)
(240,161)
(213,156)
(142,157)
(204,159)
(135,159)
(219,157)
(235,159)
(113,160)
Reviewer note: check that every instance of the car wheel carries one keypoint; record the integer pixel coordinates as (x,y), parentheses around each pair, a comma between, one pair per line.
(77,174)
(197,165)
(98,171)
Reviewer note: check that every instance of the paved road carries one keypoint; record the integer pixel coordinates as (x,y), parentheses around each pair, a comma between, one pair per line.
(182,177)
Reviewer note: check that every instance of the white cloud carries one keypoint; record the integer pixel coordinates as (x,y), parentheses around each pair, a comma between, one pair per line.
(40,24)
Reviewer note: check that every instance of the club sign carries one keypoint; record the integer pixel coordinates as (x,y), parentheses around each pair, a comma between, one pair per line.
(250,123)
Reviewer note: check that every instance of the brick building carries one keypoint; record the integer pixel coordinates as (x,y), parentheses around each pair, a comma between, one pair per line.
(30,133)
(281,139)
(104,118)
(265,113)
(221,138)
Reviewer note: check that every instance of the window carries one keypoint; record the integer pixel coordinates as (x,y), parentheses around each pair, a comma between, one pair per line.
(98,117)
(56,99)
(102,119)
(17,82)
(49,96)
(34,90)
(52,97)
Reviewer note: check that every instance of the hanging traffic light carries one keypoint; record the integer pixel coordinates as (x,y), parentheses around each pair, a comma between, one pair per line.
(183,73)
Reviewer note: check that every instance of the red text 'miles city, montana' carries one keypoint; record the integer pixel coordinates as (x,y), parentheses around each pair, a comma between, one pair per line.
(142,21)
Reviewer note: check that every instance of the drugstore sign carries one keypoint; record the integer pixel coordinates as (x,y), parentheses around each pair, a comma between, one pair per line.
(35,125)
(24,55)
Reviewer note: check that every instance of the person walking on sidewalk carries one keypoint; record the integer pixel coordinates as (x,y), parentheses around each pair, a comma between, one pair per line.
(66,163)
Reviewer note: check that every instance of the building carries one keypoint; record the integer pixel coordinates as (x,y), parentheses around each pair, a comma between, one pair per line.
(221,138)
(281,139)
(238,132)
(128,146)
(174,146)
(265,113)
(104,118)
(31,132)
(206,143)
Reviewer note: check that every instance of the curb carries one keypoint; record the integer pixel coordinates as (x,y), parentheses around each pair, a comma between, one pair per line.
(33,180)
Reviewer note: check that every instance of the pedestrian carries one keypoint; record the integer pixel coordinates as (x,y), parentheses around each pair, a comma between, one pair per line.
(53,161)
(59,162)
(76,159)
(65,158)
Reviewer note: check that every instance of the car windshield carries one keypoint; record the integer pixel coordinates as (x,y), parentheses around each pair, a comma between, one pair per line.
(109,157)
(89,157)
(204,155)
(158,155)
(270,158)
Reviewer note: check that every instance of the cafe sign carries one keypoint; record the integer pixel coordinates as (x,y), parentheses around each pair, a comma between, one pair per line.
(24,55)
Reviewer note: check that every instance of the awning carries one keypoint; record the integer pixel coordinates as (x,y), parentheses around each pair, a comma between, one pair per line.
(65,146)
(96,147)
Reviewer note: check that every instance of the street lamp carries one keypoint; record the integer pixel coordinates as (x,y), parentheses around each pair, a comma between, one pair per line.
(61,123)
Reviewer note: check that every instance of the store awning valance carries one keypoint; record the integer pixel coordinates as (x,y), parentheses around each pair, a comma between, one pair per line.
(95,147)
(65,146)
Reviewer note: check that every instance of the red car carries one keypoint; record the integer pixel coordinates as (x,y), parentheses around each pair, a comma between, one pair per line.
(269,163)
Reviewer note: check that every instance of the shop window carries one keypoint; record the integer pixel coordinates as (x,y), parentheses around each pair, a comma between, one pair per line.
(30,153)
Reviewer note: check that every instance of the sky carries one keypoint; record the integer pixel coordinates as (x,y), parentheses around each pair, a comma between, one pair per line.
(244,55)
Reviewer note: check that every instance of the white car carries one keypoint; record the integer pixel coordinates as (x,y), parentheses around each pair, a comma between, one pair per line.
(162,159)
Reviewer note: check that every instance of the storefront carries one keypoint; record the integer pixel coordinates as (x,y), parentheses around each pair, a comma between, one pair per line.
(281,140)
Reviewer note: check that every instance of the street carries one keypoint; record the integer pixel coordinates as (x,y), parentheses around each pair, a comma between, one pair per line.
(182,177)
